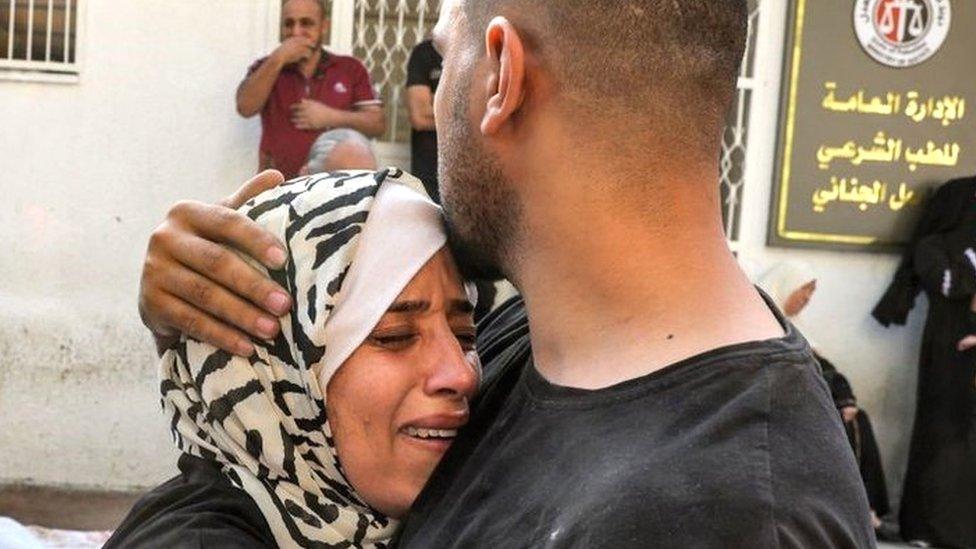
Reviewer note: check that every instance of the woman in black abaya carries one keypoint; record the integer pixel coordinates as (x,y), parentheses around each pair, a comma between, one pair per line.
(938,502)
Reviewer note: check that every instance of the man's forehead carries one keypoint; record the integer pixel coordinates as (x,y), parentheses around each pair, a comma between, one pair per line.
(300,8)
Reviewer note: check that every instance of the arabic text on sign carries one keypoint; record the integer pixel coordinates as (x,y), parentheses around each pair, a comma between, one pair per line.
(946,109)
(890,150)
(864,196)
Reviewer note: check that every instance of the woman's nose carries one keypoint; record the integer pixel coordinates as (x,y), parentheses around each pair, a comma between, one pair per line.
(452,372)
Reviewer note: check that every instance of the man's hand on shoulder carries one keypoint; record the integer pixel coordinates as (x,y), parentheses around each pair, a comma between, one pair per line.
(193,283)
(293,50)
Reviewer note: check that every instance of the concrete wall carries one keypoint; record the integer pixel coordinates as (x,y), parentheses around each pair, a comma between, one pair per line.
(880,363)
(86,171)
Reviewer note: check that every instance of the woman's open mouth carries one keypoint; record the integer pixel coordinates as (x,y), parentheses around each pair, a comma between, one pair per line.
(421,433)
(432,440)
(435,432)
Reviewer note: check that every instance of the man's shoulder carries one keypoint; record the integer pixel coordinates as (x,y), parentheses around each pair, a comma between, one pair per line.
(345,62)
(257,63)
(812,471)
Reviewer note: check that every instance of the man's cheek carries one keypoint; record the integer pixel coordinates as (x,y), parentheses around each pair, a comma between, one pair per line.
(439,99)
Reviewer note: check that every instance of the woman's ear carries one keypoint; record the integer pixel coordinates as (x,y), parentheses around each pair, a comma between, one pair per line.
(506,79)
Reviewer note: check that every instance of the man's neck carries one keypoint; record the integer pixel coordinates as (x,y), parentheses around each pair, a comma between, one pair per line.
(613,293)
(308,66)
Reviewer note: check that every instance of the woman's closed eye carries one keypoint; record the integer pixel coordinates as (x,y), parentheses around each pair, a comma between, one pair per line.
(393,341)
(401,340)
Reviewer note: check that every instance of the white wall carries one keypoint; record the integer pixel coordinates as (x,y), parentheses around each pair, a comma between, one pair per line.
(880,363)
(86,171)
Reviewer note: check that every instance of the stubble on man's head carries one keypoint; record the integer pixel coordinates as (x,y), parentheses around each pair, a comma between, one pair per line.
(642,63)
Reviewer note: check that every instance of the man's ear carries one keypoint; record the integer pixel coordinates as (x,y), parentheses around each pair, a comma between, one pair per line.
(506,80)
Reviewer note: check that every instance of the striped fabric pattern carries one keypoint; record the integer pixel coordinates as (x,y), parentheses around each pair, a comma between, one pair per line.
(263,418)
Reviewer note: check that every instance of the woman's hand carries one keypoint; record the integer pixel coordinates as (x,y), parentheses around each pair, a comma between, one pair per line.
(966,343)
(848,413)
(969,341)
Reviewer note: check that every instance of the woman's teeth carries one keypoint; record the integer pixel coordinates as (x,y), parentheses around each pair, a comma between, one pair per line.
(431,433)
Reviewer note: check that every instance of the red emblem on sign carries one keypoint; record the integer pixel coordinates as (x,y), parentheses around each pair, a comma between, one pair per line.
(902,22)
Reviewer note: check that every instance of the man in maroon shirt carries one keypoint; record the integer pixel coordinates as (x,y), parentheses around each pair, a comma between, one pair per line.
(301,90)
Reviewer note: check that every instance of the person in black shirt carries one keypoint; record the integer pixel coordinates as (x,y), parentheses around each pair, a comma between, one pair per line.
(730,448)
(657,399)
(423,74)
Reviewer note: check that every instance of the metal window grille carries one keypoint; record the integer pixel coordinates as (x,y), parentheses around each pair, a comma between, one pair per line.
(734,140)
(39,35)
(384,34)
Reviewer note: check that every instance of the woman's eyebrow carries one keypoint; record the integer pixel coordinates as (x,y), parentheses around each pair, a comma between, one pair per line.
(421,305)
(409,306)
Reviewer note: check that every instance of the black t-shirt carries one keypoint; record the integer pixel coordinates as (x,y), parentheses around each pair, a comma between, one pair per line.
(424,69)
(199,508)
(738,447)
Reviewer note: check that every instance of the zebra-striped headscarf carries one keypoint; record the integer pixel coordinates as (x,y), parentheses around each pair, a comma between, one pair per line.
(263,418)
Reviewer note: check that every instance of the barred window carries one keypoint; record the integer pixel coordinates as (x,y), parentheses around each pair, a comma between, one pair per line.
(384,34)
(734,139)
(39,35)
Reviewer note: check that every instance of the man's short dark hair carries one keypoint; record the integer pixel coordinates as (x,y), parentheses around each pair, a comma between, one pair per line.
(657,57)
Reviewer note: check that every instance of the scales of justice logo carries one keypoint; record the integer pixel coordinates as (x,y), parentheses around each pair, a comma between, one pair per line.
(902,33)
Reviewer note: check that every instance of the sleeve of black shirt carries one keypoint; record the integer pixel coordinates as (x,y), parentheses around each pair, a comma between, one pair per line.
(418,67)
(200,508)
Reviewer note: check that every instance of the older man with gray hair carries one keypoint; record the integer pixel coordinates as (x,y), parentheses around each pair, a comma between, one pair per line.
(341,149)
